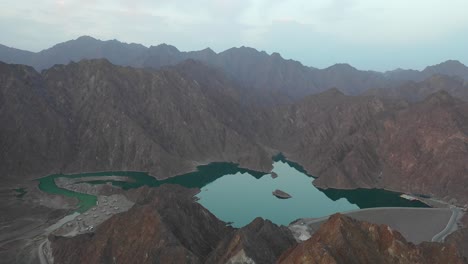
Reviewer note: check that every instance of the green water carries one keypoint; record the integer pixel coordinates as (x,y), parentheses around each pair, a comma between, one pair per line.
(238,195)
(197,179)
(47,184)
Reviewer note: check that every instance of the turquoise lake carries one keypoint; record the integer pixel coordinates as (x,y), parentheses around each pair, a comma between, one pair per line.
(238,196)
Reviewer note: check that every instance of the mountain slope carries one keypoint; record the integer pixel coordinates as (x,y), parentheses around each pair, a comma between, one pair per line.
(114,118)
(345,240)
(35,134)
(167,225)
(358,141)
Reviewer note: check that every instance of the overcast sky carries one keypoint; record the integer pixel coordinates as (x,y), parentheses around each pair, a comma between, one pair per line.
(368,34)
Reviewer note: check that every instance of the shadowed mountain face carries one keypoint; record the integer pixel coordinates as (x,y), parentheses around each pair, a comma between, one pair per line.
(95,116)
(166,225)
(36,134)
(345,240)
(278,79)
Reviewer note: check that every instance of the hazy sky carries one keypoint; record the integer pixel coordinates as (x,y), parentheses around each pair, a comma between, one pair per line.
(369,34)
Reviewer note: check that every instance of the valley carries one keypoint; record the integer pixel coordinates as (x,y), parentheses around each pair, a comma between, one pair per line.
(226,190)
(174,156)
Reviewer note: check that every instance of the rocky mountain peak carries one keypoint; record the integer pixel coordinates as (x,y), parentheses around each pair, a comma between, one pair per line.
(341,67)
(164,48)
(345,240)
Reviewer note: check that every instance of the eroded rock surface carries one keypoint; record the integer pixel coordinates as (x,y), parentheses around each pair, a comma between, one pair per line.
(345,240)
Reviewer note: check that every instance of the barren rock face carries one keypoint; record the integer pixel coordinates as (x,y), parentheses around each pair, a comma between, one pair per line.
(165,226)
(427,144)
(95,116)
(351,142)
(168,226)
(459,239)
(261,241)
(345,240)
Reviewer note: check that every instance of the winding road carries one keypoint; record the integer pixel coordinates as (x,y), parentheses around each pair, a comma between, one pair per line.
(451,225)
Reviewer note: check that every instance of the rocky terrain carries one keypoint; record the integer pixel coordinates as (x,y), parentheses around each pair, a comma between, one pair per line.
(172,111)
(345,240)
(95,116)
(167,226)
(460,240)
(364,141)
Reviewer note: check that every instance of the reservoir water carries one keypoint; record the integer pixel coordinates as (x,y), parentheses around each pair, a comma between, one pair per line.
(238,195)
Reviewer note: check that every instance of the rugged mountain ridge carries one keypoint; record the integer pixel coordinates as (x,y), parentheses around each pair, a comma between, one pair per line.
(363,141)
(344,240)
(449,68)
(166,225)
(93,116)
(251,69)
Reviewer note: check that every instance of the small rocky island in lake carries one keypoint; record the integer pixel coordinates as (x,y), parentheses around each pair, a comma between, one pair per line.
(282,195)
(274,175)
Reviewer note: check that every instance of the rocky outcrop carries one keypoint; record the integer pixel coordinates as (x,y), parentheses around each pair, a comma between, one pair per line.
(459,239)
(167,226)
(281,194)
(345,240)
(261,241)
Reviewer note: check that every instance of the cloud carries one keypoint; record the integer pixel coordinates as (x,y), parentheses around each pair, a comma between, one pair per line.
(318,32)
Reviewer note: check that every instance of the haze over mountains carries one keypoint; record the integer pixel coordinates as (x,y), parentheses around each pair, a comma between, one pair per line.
(88,105)
(251,69)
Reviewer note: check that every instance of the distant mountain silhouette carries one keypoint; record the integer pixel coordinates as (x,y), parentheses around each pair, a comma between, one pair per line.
(414,91)
(449,68)
(251,69)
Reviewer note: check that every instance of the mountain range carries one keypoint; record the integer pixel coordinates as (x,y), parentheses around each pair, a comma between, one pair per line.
(96,116)
(90,105)
(251,69)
